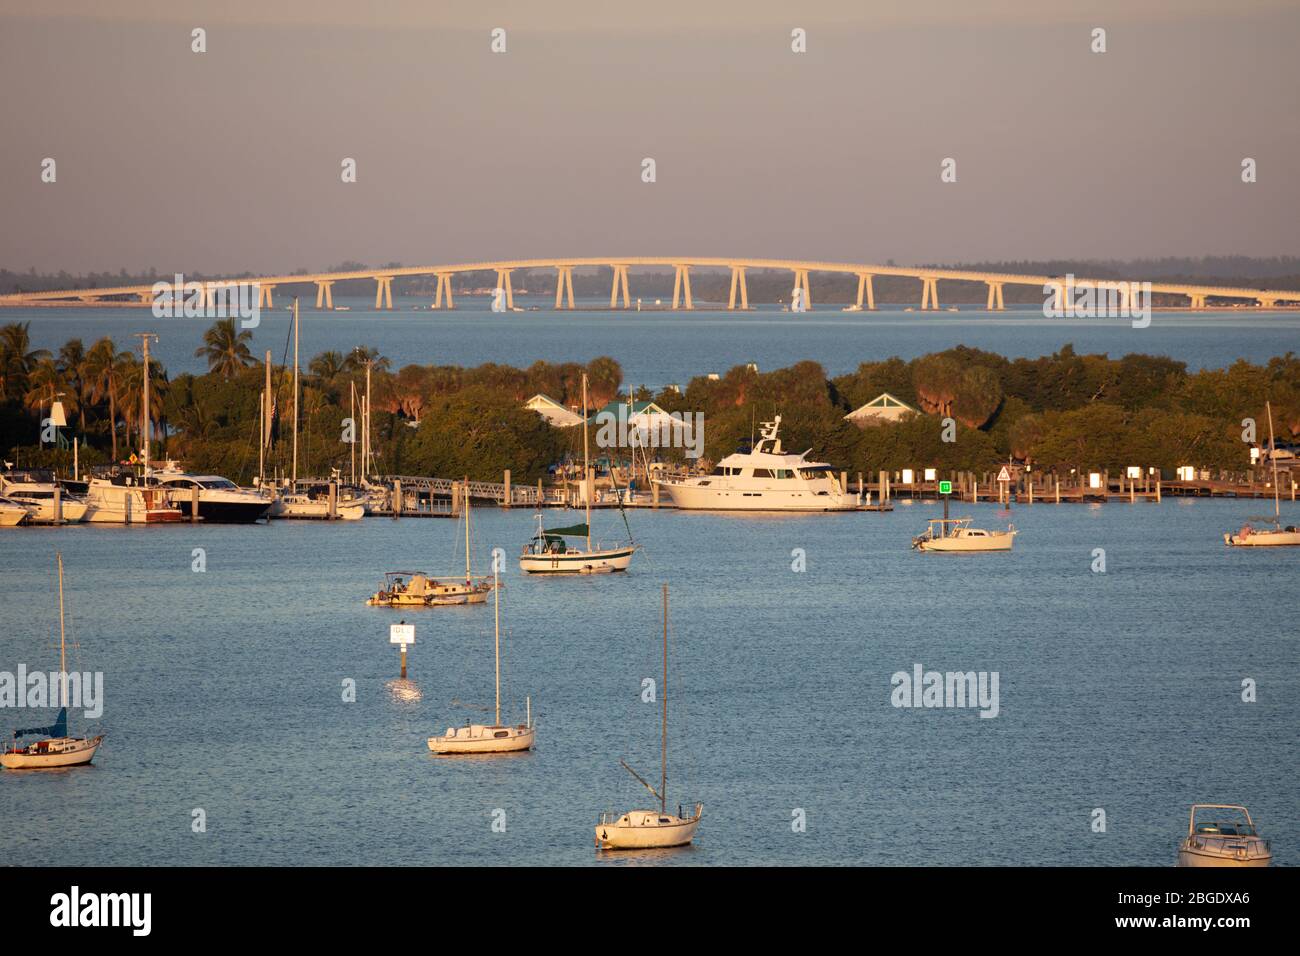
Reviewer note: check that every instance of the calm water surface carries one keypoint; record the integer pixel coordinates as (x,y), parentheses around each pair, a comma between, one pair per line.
(224,691)
(658,348)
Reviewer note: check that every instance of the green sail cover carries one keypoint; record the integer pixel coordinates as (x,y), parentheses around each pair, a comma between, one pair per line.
(573,531)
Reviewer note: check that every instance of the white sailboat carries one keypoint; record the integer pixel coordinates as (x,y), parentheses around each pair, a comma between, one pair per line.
(1251,537)
(417,589)
(549,551)
(57,749)
(651,829)
(482,738)
(956,534)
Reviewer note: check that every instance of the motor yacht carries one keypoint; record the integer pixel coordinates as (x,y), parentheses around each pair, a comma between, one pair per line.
(127,498)
(765,479)
(36,492)
(1221,842)
(221,501)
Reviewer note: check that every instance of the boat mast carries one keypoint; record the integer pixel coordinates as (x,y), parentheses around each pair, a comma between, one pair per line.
(365,447)
(496,591)
(1277,506)
(295,394)
(265,438)
(352,417)
(467,537)
(63,657)
(586,461)
(663,754)
(146,429)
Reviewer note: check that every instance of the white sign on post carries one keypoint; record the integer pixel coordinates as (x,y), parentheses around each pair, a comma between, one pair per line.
(1004,474)
(403,634)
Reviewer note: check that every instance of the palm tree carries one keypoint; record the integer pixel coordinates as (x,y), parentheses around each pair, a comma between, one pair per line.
(72,361)
(359,356)
(226,348)
(104,371)
(46,384)
(17,359)
(327,366)
(132,395)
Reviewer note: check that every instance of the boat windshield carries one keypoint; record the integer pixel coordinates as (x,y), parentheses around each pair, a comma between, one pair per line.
(223,483)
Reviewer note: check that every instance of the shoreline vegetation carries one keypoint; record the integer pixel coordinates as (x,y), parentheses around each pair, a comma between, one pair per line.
(765,287)
(1057,412)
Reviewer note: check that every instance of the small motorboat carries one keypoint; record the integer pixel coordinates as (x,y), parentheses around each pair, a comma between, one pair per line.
(1229,844)
(415,589)
(956,534)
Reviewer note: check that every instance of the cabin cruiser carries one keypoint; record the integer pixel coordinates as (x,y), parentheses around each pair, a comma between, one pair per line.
(956,534)
(1226,844)
(312,500)
(11,512)
(126,498)
(35,491)
(550,552)
(221,501)
(414,589)
(765,479)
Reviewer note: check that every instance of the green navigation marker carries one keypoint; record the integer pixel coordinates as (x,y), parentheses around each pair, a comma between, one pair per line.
(945,487)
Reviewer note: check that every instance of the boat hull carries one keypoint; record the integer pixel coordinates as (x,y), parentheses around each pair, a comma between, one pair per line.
(225,512)
(314,510)
(11,517)
(997,542)
(578,562)
(71,756)
(1202,859)
(1263,539)
(640,830)
(482,740)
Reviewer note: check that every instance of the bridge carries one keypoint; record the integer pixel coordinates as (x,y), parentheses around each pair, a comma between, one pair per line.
(211,290)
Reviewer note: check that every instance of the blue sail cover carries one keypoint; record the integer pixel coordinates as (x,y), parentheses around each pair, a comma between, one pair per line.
(57,729)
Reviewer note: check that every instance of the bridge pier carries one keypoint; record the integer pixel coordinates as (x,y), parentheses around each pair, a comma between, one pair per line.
(1267,303)
(929,294)
(682,282)
(384,292)
(865,285)
(1197,300)
(503,283)
(563,283)
(264,297)
(620,280)
(325,294)
(444,284)
(995,297)
(801,282)
(738,278)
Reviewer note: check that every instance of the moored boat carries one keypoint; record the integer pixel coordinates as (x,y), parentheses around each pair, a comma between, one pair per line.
(956,534)
(45,500)
(1267,537)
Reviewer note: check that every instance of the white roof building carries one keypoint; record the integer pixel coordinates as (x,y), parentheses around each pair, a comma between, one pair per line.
(883,408)
(554,413)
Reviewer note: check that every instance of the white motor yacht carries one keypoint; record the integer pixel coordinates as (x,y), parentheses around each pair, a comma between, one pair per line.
(128,499)
(1233,843)
(12,513)
(46,502)
(221,501)
(765,479)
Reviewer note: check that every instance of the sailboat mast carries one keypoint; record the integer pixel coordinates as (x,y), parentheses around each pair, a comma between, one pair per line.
(1277,502)
(496,591)
(586,461)
(295,393)
(265,437)
(63,656)
(352,417)
(467,531)
(365,448)
(663,753)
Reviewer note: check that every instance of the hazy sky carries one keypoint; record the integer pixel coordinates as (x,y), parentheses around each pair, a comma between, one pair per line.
(230,160)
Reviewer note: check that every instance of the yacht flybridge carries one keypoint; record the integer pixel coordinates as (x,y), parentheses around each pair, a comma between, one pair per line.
(765,479)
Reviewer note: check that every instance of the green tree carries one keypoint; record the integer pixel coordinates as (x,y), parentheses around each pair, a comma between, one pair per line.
(226,348)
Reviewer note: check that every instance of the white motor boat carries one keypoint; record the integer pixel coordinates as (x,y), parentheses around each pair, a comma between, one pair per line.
(956,534)
(45,500)
(313,503)
(1212,843)
(765,479)
(58,748)
(496,738)
(128,499)
(12,513)
(651,829)
(221,501)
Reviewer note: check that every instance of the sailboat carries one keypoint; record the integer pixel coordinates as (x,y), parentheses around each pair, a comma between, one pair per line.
(306,504)
(481,738)
(58,749)
(417,589)
(1249,537)
(549,551)
(651,829)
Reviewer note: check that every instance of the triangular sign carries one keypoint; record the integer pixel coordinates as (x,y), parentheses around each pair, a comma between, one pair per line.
(1004,475)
